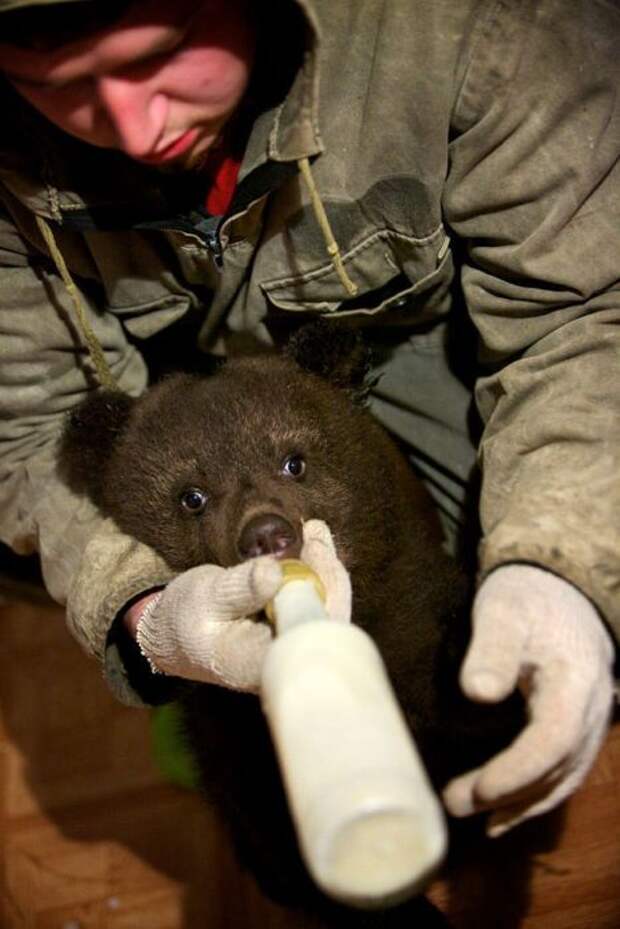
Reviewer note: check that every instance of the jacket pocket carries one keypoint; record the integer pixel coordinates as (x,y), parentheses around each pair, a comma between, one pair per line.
(394,273)
(140,277)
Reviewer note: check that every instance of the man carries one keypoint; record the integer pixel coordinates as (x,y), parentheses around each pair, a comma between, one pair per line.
(223,168)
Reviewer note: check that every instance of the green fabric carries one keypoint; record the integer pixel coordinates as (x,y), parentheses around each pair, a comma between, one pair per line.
(171,753)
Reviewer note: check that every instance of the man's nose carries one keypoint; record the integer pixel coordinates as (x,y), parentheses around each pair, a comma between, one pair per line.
(136,112)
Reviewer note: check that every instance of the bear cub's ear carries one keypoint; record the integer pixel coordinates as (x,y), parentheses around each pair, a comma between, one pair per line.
(338,355)
(89,436)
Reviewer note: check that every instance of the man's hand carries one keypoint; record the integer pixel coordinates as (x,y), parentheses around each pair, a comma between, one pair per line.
(534,630)
(200,626)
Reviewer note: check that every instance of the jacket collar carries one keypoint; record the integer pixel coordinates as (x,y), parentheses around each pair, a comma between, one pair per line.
(295,132)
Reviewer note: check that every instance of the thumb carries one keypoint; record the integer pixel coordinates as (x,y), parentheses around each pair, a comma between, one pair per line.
(319,553)
(317,536)
(493,662)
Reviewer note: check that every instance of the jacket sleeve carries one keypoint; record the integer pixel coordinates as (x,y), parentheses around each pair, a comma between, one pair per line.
(534,191)
(44,372)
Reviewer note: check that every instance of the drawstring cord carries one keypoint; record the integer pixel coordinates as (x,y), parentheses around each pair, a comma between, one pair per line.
(328,235)
(104,374)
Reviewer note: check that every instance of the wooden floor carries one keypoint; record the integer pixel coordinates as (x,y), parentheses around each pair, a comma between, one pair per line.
(91,837)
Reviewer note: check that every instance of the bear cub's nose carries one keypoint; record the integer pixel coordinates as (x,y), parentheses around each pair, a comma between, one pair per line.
(269,534)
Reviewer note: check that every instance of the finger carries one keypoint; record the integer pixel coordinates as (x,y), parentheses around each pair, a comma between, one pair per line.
(244,589)
(517,790)
(459,795)
(462,796)
(493,661)
(506,818)
(542,798)
(316,533)
(550,740)
(551,792)
(319,553)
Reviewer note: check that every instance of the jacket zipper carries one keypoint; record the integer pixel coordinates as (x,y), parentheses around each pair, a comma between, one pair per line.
(215,248)
(208,228)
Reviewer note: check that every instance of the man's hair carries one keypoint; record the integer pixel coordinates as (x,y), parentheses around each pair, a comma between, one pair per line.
(52,25)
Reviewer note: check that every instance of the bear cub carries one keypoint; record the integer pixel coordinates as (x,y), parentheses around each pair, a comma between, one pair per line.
(221,468)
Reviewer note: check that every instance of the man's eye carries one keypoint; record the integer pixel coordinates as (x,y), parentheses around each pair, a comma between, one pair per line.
(294,466)
(193,500)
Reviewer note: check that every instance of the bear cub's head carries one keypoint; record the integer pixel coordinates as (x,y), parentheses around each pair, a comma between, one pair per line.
(225,467)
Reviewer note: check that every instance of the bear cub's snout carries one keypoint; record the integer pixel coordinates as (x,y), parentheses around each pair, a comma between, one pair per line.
(269,534)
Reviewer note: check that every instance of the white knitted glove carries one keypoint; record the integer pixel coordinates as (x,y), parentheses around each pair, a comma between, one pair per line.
(537,631)
(199,626)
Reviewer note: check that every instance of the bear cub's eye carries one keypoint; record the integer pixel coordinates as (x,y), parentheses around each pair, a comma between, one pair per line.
(194,500)
(294,466)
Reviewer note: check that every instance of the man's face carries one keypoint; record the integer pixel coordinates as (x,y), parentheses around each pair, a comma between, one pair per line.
(158,85)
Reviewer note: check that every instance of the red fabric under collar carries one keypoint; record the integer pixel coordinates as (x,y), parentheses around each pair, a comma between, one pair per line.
(224,173)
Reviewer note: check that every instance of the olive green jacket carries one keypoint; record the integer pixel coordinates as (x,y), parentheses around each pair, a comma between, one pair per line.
(477,139)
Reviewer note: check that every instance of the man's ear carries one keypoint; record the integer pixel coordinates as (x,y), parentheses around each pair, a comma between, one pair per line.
(90,433)
(338,355)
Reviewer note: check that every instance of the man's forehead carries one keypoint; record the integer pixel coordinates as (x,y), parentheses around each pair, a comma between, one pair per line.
(142,24)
